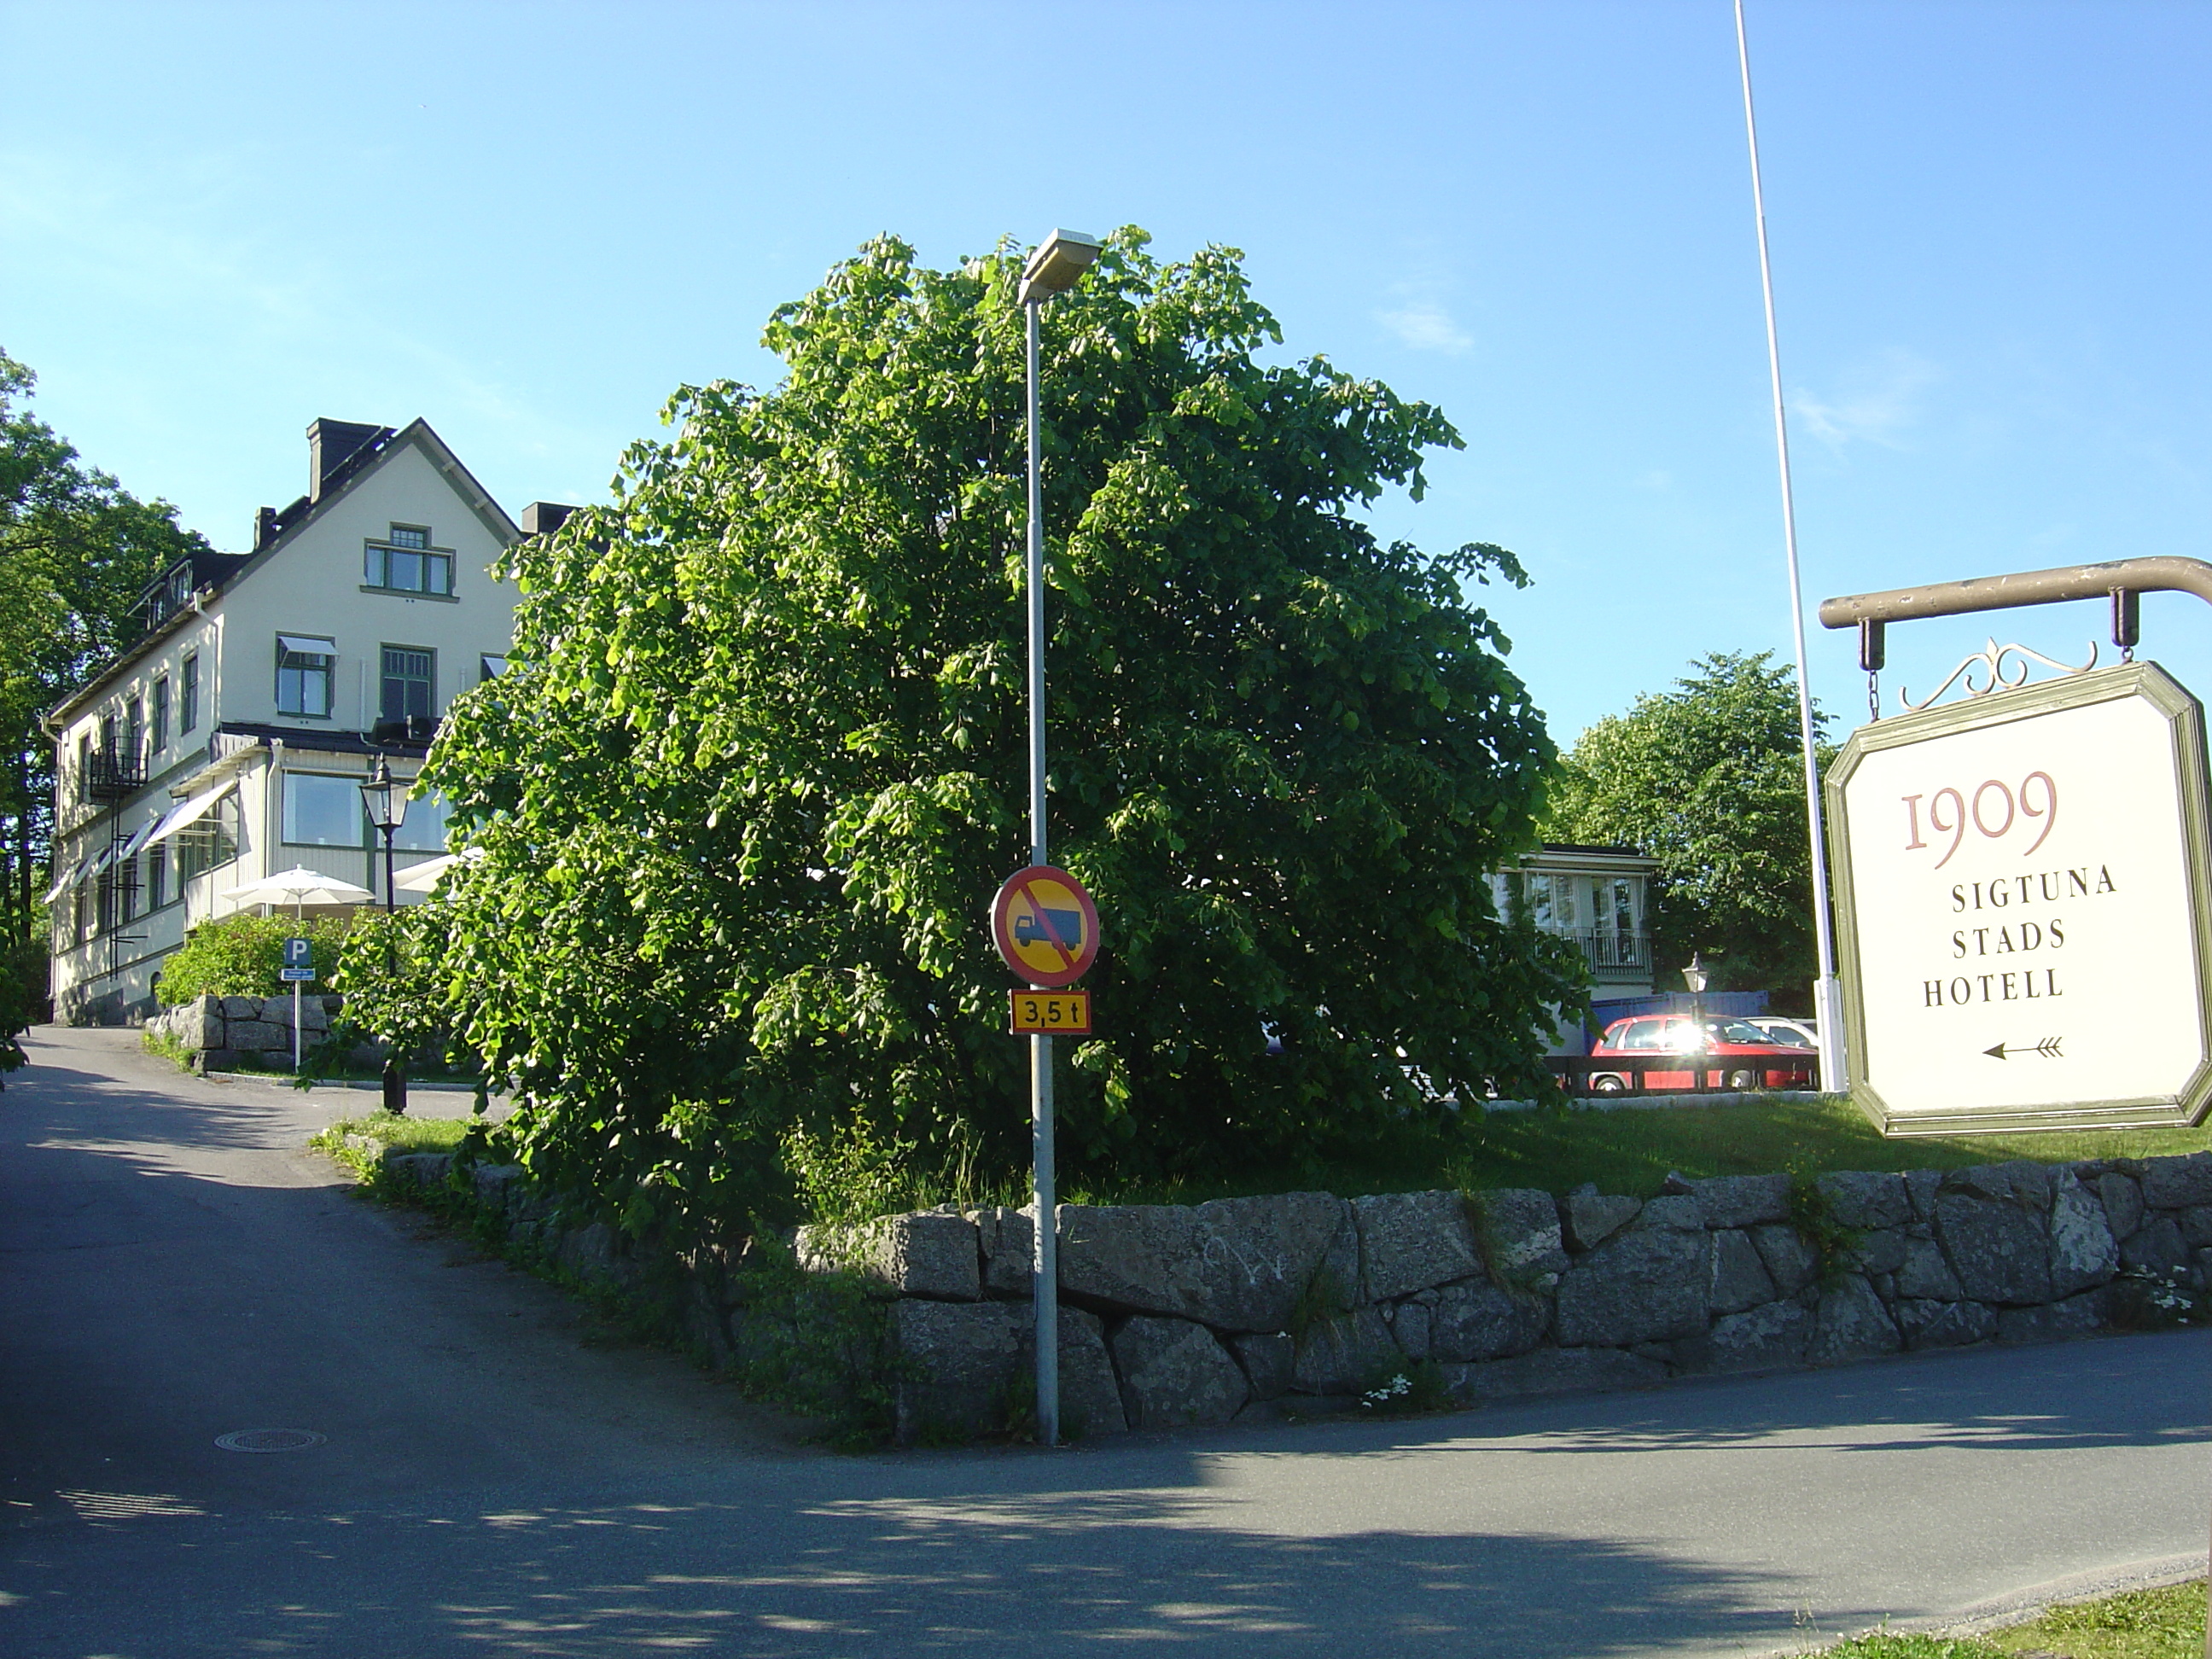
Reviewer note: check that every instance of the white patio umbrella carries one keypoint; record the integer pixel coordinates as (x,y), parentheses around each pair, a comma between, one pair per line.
(299,886)
(423,877)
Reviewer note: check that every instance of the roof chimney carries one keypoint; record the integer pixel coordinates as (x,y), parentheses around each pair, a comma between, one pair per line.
(543,518)
(331,444)
(265,527)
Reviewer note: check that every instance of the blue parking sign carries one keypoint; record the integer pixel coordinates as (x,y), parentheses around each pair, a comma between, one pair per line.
(299,953)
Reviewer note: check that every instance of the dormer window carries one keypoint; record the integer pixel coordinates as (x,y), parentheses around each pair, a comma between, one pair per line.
(303,675)
(405,562)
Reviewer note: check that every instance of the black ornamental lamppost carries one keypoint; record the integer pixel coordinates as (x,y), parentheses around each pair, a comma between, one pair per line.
(386,798)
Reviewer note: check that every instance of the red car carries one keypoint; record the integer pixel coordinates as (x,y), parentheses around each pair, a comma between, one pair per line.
(1735,1054)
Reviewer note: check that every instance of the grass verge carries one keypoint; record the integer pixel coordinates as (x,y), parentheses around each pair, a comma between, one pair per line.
(1632,1152)
(2167,1623)
(360,1142)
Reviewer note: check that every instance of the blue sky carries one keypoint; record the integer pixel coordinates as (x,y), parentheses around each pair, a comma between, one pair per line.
(528,223)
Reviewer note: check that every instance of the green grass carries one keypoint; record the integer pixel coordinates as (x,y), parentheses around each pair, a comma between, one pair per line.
(1631,1152)
(2152,1624)
(388,1132)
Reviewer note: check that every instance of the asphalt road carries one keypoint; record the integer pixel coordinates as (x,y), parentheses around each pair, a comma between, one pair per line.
(497,1479)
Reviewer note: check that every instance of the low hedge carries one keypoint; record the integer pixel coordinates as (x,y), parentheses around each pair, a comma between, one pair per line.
(241,956)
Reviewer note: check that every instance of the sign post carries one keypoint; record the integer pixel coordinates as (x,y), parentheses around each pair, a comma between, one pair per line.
(298,968)
(2122,582)
(1045,927)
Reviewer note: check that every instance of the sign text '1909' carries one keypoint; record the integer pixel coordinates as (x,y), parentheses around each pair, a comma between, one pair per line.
(1994,809)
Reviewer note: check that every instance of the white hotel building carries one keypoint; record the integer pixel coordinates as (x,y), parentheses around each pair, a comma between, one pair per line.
(229,743)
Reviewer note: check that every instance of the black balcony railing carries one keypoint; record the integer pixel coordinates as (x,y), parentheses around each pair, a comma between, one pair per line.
(1612,952)
(113,775)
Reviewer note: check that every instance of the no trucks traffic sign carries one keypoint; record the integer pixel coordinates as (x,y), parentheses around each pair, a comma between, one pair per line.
(1046,927)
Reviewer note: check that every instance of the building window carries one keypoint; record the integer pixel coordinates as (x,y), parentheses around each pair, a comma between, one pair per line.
(303,675)
(211,841)
(424,829)
(490,668)
(126,888)
(157,875)
(161,713)
(134,725)
(405,562)
(84,765)
(408,672)
(188,706)
(320,810)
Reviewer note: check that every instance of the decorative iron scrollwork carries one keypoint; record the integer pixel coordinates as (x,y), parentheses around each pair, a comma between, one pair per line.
(1992,657)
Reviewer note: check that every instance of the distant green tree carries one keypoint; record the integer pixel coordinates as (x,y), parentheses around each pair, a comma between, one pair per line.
(77,548)
(1708,779)
(760,763)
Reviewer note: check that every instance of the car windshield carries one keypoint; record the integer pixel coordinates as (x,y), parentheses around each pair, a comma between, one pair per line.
(1737,1031)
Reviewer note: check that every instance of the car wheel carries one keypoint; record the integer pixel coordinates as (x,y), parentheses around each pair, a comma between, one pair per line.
(1608,1086)
(1742,1081)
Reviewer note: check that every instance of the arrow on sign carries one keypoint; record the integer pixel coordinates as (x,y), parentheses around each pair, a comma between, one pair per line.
(2048,1049)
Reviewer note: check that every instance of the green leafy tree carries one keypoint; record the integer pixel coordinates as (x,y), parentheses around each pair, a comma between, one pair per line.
(242,956)
(75,550)
(1708,779)
(760,763)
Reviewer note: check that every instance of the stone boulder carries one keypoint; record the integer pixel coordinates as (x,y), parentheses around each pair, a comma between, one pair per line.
(2075,1315)
(1236,1264)
(1270,1360)
(1680,1211)
(1520,1236)
(1175,1375)
(256,1036)
(1413,1241)
(1345,1354)
(495,1182)
(1409,1323)
(242,1007)
(1646,1286)
(197,1023)
(1474,1321)
(2157,1248)
(1930,1324)
(1090,1394)
(1592,1217)
(961,1360)
(1996,1244)
(2123,1203)
(1742,1200)
(1769,1338)
(1866,1201)
(1925,1275)
(929,1253)
(2173,1183)
(1738,1279)
(2083,1251)
(1851,1323)
(1007,1241)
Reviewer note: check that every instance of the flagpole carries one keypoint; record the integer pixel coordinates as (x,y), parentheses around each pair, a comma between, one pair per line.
(1828,1006)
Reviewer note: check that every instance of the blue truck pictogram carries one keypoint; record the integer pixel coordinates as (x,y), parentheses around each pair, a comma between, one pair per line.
(1066,924)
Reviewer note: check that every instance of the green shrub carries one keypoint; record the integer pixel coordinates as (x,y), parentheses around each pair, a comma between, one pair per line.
(240,957)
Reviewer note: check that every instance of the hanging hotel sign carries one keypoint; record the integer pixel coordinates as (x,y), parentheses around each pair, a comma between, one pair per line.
(2023,902)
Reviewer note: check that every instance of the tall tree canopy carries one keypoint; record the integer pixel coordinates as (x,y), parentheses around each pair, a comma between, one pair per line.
(760,763)
(75,549)
(1708,779)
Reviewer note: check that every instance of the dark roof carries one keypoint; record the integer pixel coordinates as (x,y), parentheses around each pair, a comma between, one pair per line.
(324,741)
(1590,846)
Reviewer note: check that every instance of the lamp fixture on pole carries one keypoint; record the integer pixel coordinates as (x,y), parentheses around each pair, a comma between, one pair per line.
(1694,976)
(1053,269)
(385,798)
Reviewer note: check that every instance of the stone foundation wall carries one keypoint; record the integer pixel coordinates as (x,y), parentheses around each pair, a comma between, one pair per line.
(222,1034)
(1178,1316)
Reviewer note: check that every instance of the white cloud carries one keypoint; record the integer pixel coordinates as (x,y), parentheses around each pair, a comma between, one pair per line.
(1426,325)
(1878,403)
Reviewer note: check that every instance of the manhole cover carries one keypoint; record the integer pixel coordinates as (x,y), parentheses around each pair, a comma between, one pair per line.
(268,1440)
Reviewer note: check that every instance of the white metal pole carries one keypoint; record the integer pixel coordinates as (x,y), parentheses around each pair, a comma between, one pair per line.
(1828,1004)
(299,925)
(1045,1270)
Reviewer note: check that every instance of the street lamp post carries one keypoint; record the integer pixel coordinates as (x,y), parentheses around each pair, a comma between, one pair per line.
(1053,269)
(1694,977)
(386,798)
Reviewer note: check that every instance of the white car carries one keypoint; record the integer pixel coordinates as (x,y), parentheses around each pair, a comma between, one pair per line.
(1801,1032)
